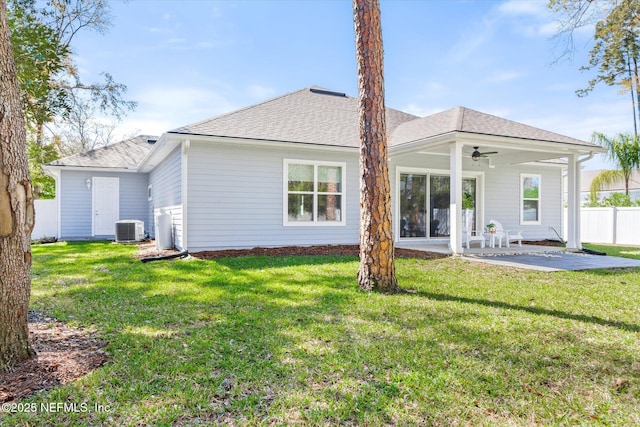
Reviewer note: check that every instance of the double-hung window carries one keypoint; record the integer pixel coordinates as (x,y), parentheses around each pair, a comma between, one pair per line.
(530,199)
(314,193)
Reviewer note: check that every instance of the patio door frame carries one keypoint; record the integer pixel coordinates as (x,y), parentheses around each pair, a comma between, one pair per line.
(428,172)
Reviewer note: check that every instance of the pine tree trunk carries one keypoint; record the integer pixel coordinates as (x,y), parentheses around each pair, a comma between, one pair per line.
(377,267)
(16,212)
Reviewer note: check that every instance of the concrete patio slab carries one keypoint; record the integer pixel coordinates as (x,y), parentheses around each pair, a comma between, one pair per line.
(556,261)
(443,248)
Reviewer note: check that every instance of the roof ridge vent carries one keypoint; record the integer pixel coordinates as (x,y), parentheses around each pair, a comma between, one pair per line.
(321,91)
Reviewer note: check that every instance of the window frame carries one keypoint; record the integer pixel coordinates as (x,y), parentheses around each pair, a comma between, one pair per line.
(285,199)
(524,176)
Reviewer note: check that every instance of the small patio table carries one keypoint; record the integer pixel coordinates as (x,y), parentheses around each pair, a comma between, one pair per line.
(492,239)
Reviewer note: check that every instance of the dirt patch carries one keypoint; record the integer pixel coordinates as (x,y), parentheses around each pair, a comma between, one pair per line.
(148,249)
(555,243)
(64,354)
(346,250)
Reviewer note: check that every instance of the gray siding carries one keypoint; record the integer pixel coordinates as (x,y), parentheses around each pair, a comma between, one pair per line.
(236,198)
(501,191)
(76,201)
(166,188)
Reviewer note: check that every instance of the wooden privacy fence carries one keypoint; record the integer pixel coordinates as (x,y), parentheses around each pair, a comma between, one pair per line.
(608,225)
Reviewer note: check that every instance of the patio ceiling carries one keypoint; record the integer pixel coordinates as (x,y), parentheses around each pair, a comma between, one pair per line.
(509,150)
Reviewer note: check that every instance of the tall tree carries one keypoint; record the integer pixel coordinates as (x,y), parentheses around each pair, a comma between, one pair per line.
(16,212)
(82,130)
(377,266)
(624,151)
(616,51)
(42,34)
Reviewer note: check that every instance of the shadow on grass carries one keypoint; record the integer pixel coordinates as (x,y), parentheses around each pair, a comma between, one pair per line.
(532,310)
(290,340)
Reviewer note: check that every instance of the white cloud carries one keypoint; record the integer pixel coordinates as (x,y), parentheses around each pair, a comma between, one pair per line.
(609,118)
(419,110)
(504,76)
(526,7)
(435,86)
(549,29)
(529,18)
(470,43)
(164,108)
(216,12)
(260,92)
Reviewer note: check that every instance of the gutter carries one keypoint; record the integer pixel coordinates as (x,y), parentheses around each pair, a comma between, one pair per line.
(589,157)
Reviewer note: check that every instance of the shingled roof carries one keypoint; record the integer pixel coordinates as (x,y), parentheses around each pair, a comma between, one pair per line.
(311,115)
(125,154)
(461,119)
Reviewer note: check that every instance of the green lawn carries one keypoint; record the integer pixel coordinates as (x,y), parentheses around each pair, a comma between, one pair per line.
(291,341)
(623,251)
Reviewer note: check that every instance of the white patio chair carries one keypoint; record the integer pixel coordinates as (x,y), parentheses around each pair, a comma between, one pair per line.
(468,235)
(507,235)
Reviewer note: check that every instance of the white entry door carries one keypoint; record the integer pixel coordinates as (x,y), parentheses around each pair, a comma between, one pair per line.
(106,205)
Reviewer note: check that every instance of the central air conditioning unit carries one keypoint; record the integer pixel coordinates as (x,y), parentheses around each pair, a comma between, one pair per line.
(130,230)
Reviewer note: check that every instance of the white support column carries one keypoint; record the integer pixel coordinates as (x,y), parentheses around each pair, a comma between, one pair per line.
(573,202)
(578,213)
(455,206)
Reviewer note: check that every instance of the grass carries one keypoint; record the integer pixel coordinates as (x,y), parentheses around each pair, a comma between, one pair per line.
(616,250)
(291,341)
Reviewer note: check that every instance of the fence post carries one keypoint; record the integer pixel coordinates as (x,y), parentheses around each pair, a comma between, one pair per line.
(614,221)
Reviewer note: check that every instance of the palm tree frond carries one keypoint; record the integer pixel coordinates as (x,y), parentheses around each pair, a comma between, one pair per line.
(604,179)
(624,151)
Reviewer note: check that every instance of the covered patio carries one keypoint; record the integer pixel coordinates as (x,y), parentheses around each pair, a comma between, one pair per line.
(498,157)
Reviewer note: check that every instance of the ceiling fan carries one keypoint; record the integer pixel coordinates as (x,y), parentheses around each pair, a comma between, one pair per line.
(476,155)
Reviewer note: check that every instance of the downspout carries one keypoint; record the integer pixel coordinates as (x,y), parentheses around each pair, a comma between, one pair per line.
(186,146)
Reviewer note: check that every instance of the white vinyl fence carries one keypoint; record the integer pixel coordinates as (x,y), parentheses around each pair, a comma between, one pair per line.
(46,219)
(609,225)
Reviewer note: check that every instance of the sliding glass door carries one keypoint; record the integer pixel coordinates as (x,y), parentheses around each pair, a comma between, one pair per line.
(422,193)
(413,205)
(439,201)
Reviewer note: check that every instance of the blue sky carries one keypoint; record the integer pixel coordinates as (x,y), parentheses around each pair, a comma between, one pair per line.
(184,61)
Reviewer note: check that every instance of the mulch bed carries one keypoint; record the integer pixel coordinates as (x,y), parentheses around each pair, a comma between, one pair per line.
(346,250)
(64,354)
(555,243)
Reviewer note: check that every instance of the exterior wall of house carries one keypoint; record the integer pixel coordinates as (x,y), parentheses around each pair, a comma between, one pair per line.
(502,200)
(236,197)
(500,195)
(76,201)
(166,194)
